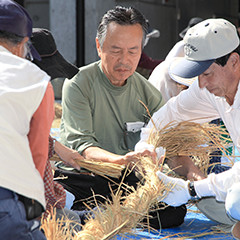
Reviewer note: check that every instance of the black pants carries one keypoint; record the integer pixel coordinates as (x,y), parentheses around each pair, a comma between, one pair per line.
(84,185)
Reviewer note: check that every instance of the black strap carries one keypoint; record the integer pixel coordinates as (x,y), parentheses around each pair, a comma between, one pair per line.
(191,189)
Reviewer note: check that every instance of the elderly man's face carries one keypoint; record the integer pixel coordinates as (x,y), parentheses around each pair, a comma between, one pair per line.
(214,80)
(222,81)
(121,52)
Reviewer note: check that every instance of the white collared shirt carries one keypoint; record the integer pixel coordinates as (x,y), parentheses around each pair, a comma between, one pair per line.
(199,105)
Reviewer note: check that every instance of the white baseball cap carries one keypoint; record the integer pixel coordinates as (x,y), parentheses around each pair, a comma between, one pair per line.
(203,44)
(178,79)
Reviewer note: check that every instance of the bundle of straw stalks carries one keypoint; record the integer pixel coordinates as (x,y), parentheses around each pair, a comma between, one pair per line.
(191,139)
(58,229)
(97,167)
(58,114)
(124,213)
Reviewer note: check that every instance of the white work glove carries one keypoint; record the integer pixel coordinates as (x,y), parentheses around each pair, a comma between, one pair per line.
(176,192)
(69,199)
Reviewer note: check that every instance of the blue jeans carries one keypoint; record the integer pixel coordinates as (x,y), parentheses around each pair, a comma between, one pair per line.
(232,202)
(13,222)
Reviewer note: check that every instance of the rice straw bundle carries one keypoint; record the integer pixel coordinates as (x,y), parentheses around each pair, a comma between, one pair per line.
(191,139)
(58,114)
(123,214)
(97,167)
(101,168)
(185,138)
(58,110)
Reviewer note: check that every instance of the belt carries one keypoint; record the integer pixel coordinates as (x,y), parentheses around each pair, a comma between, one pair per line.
(5,193)
(32,207)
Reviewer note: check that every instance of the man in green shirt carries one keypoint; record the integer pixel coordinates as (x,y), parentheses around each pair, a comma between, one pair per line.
(102,113)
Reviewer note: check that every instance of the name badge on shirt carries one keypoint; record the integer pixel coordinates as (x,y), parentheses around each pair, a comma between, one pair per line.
(134,126)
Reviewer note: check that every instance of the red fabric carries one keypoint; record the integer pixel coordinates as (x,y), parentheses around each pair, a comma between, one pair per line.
(147,62)
(54,192)
(50,147)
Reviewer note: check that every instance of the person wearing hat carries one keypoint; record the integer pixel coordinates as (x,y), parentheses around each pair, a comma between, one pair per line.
(171,85)
(54,64)
(160,78)
(52,61)
(211,53)
(26,117)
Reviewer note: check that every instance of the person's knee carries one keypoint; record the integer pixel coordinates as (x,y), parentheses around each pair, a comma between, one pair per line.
(232,202)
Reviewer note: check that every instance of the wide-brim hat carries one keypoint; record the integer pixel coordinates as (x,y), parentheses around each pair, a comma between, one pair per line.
(15,19)
(203,44)
(53,63)
(191,23)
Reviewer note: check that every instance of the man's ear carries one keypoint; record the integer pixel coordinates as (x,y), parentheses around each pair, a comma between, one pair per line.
(234,60)
(99,50)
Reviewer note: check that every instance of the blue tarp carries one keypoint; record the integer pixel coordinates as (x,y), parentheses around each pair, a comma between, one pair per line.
(194,224)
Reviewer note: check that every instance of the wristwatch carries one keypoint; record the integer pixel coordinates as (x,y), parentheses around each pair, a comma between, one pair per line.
(191,189)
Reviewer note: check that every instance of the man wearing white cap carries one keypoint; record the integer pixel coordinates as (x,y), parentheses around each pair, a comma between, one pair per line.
(212,53)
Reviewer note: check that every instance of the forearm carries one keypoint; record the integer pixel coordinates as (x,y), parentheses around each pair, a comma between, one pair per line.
(98,154)
(39,130)
(67,155)
(184,166)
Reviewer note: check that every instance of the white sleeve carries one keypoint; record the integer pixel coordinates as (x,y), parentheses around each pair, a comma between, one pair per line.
(190,105)
(187,106)
(218,184)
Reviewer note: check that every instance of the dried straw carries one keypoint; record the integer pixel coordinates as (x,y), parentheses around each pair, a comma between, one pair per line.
(57,229)
(191,139)
(97,167)
(58,114)
(186,138)
(124,213)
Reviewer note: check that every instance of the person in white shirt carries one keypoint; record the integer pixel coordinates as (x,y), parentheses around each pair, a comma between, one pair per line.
(160,78)
(212,53)
(25,94)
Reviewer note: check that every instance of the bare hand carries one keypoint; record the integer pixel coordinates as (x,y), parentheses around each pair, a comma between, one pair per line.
(133,157)
(67,155)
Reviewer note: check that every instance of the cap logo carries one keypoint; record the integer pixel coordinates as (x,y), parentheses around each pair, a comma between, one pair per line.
(188,49)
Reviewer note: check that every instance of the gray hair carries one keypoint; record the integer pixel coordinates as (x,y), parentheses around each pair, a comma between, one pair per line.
(121,16)
(13,40)
(10,38)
